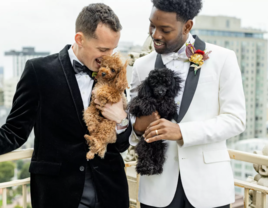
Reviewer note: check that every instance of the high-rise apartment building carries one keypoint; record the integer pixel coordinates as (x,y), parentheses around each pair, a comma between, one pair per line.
(15,61)
(251,50)
(19,58)
(1,86)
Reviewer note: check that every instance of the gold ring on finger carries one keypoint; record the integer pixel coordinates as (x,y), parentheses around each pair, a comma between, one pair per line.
(156,132)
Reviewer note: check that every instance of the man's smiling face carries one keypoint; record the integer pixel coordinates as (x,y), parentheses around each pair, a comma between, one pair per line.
(167,32)
(94,48)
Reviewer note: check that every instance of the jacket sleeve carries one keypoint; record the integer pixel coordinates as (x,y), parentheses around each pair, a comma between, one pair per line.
(135,82)
(14,133)
(122,142)
(231,120)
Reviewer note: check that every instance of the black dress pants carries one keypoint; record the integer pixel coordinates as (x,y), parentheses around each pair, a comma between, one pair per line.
(180,200)
(89,197)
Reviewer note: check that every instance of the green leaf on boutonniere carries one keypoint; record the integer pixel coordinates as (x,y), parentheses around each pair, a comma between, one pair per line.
(94,74)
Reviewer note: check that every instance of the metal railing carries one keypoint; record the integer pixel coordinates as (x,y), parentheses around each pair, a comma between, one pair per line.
(236,155)
(255,159)
(16,155)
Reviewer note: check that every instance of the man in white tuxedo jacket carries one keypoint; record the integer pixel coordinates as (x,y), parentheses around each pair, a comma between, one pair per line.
(197,171)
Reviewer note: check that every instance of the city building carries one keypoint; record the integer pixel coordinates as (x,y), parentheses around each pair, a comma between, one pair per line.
(9,90)
(124,47)
(250,47)
(19,58)
(1,77)
(1,86)
(14,66)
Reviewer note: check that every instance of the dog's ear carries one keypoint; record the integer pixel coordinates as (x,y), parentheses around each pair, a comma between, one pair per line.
(144,90)
(120,80)
(176,84)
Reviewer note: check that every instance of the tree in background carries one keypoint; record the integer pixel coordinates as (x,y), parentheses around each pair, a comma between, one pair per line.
(6,171)
(24,173)
(20,164)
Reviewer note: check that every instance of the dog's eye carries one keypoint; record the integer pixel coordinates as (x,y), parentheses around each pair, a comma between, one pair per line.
(113,70)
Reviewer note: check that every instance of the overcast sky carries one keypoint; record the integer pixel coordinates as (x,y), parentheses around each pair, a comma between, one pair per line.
(48,25)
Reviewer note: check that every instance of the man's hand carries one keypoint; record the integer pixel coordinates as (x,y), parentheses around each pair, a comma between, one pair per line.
(162,129)
(143,122)
(114,112)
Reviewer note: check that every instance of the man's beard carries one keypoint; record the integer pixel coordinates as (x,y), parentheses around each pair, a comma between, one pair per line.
(172,47)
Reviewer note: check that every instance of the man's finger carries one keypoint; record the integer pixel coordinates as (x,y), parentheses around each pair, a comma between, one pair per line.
(154,139)
(154,123)
(154,133)
(152,128)
(96,101)
(99,107)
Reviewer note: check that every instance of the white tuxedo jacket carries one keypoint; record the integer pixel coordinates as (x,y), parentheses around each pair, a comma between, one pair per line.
(212,110)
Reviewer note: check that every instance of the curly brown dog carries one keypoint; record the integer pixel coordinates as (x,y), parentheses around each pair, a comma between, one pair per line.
(111,83)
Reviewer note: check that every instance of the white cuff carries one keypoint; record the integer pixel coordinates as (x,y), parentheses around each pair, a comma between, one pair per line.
(119,131)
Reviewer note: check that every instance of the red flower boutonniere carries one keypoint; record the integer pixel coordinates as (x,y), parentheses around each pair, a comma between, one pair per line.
(197,57)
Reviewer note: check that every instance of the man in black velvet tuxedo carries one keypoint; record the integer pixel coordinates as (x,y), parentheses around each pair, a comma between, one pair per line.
(51,96)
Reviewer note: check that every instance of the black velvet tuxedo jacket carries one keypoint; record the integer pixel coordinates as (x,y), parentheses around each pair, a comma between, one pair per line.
(48,99)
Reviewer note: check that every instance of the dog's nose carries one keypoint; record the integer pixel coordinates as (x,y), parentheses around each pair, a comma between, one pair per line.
(103,74)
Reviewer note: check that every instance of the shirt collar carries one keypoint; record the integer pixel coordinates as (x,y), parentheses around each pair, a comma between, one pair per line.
(73,57)
(167,57)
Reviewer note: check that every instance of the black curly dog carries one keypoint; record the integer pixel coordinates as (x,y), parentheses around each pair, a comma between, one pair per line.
(156,93)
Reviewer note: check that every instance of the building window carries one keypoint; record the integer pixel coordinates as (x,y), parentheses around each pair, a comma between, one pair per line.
(228,23)
(238,165)
(238,174)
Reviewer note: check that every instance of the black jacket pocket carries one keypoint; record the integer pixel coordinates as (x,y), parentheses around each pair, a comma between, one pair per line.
(45,168)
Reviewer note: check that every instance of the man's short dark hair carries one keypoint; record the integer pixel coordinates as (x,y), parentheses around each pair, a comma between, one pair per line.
(93,14)
(185,9)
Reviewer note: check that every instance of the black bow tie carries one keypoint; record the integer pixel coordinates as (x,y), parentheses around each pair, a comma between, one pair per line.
(78,68)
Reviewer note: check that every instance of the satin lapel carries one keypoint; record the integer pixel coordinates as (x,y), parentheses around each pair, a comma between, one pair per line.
(190,84)
(72,84)
(159,62)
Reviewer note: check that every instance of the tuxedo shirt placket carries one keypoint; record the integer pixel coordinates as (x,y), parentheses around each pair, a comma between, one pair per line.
(85,83)
(177,61)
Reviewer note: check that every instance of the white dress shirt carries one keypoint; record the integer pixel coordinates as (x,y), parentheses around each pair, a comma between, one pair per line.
(85,84)
(176,61)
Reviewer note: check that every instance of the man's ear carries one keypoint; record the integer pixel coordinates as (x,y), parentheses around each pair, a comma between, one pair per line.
(187,27)
(79,39)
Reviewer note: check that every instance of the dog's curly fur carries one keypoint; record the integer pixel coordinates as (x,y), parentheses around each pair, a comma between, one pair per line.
(156,93)
(111,83)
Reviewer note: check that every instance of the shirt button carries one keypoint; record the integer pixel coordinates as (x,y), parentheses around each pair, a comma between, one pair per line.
(82,168)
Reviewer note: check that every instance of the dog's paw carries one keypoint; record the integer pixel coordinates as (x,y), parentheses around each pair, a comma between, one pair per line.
(91,128)
(90,155)
(89,139)
(102,101)
(102,152)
